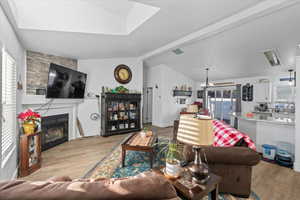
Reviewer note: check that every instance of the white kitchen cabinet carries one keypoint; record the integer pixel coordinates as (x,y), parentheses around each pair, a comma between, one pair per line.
(270,133)
(262,92)
(248,127)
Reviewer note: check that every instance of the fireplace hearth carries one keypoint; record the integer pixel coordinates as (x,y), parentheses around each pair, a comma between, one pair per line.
(55,130)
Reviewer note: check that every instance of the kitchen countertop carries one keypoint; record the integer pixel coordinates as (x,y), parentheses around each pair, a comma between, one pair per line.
(256,118)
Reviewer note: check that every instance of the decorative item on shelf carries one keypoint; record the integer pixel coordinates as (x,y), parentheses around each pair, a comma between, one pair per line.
(192,108)
(132,125)
(123,74)
(146,132)
(121,89)
(249,115)
(196,132)
(29,120)
(115,116)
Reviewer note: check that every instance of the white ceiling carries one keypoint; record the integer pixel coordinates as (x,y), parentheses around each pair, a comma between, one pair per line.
(175,19)
(112,17)
(237,52)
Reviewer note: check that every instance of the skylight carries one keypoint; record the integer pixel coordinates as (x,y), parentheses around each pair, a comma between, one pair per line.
(112,17)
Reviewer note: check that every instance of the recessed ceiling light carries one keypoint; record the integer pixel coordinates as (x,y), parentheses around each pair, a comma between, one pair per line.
(272,57)
(178,51)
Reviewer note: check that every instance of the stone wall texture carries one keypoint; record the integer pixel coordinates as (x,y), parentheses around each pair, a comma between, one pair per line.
(38,67)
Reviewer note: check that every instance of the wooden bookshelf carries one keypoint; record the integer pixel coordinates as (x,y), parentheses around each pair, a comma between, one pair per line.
(30,154)
(120,113)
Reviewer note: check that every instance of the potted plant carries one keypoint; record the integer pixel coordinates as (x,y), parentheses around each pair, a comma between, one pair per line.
(173,160)
(172,153)
(29,121)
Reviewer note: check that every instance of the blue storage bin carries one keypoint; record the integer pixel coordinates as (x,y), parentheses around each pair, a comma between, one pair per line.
(269,151)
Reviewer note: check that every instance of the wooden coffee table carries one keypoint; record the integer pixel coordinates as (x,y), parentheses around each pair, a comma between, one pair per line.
(136,142)
(197,192)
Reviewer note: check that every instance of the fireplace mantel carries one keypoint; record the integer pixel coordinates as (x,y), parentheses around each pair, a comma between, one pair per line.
(58,106)
(41,99)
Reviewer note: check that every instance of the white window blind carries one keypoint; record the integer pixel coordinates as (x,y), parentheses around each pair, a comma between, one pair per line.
(9,89)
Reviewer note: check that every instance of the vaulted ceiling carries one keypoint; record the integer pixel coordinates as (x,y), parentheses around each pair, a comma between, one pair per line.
(82,30)
(238,52)
(226,36)
(110,17)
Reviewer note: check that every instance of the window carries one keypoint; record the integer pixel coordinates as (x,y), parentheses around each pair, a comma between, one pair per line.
(8,104)
(222,101)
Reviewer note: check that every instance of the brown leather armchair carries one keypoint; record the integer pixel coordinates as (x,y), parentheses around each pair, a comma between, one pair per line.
(233,164)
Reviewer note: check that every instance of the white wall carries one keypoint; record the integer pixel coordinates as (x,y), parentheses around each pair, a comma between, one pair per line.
(11,43)
(165,109)
(101,73)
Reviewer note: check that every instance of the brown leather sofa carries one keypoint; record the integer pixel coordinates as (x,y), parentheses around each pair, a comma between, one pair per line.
(140,187)
(233,164)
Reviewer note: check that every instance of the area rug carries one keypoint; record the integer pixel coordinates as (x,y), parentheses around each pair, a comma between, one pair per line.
(136,163)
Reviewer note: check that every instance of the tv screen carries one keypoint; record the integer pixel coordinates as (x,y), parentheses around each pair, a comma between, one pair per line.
(65,83)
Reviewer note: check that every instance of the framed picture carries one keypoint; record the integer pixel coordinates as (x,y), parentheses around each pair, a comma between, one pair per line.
(200,94)
(182,101)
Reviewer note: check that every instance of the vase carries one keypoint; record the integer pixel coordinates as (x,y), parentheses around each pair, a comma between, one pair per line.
(29,128)
(173,169)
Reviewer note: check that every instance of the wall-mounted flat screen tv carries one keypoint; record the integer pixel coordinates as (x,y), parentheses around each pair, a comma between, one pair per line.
(65,83)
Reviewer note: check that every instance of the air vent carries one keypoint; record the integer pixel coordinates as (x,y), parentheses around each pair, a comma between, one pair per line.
(178,51)
(272,57)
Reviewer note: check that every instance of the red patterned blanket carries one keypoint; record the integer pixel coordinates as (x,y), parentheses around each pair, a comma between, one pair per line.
(226,136)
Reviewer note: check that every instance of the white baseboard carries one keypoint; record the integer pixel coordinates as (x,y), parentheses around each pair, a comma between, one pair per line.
(297,166)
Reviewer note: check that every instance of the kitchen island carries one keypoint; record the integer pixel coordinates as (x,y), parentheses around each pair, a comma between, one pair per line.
(268,130)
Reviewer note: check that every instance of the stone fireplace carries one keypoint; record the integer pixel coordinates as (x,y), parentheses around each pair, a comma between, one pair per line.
(55,130)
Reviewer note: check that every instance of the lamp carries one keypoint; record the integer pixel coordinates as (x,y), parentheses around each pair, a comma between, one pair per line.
(196,132)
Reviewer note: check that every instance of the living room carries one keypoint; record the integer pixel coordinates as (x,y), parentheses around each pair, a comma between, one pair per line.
(139,70)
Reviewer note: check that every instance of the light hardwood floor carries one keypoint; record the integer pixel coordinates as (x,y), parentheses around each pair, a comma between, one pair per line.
(75,158)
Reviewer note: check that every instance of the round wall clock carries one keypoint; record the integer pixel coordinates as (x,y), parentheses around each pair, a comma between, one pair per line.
(123,74)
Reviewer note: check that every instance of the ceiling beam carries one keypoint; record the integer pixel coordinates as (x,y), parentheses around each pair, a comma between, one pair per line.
(254,12)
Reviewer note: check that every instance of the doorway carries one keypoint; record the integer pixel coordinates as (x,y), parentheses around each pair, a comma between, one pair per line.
(148,102)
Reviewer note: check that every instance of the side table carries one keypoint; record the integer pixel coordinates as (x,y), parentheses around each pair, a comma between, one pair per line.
(197,192)
(30,153)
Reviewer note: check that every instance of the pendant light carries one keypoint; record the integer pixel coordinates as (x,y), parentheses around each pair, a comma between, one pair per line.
(291,79)
(207,83)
